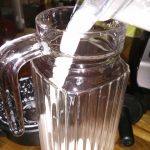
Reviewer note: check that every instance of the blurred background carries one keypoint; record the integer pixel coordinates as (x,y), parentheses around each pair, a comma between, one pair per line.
(18,16)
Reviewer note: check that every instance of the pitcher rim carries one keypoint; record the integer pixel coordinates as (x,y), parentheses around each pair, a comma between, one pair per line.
(119,25)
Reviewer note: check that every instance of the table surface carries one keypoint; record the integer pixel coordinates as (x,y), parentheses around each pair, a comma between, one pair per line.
(141,133)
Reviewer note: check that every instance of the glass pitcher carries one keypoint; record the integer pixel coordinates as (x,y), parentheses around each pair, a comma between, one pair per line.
(79,106)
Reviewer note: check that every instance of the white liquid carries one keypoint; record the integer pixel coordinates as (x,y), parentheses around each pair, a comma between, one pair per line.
(78,25)
(81,22)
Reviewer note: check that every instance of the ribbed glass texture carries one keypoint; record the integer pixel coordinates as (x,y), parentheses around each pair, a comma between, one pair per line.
(79,120)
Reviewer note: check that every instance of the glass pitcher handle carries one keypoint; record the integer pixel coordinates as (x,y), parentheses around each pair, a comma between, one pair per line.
(13,55)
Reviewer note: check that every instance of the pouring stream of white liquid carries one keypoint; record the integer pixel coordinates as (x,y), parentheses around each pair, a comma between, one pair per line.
(81,22)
